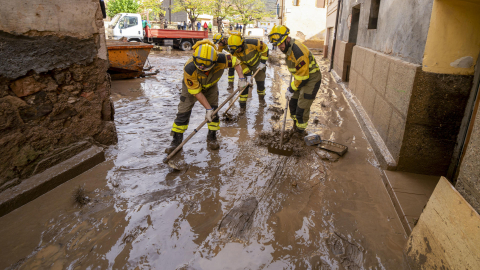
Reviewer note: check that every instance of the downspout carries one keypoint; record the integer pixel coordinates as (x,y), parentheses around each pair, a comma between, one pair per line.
(335,35)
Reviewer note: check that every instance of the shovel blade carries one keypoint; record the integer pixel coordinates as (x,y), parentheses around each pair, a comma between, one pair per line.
(284,151)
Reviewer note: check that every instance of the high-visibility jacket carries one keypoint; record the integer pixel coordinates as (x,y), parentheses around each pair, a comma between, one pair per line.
(300,63)
(197,80)
(253,51)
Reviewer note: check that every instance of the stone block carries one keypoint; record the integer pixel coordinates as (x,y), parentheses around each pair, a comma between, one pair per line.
(400,82)
(360,87)
(382,113)
(380,72)
(368,63)
(396,130)
(26,86)
(354,58)
(353,81)
(369,99)
(360,58)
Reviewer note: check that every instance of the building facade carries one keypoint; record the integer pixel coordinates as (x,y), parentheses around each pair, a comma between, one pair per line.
(410,69)
(330,24)
(306,20)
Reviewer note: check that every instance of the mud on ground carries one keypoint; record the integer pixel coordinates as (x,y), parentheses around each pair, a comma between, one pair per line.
(238,207)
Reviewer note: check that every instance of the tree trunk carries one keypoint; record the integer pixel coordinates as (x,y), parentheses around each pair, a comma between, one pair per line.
(219,24)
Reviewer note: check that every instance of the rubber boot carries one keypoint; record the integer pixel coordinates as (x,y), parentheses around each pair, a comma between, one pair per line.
(230,86)
(294,128)
(261,100)
(212,142)
(243,108)
(177,140)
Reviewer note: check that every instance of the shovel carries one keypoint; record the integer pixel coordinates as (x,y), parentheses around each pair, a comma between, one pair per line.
(226,114)
(280,149)
(169,157)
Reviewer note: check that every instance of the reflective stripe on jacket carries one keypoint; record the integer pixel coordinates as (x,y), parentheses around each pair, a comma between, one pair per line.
(300,63)
(253,51)
(197,80)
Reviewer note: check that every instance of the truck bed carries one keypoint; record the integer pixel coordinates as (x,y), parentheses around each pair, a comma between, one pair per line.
(168,33)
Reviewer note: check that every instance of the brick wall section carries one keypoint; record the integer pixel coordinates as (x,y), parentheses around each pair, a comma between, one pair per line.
(54,86)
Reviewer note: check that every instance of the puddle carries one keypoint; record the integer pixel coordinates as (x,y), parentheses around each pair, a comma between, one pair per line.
(239,207)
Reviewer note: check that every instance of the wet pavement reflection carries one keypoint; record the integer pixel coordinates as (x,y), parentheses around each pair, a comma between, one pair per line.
(233,208)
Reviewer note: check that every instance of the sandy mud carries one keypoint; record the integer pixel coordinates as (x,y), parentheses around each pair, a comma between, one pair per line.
(239,207)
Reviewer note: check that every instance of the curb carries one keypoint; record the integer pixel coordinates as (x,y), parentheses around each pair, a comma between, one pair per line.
(379,148)
(39,184)
(378,145)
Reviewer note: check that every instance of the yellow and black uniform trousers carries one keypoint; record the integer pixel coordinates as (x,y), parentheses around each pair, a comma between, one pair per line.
(305,84)
(196,81)
(254,52)
(231,71)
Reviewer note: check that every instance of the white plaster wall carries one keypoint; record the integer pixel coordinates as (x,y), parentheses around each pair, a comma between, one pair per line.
(306,21)
(75,18)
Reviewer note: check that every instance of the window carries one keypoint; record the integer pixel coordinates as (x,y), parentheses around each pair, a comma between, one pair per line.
(320,3)
(128,21)
(373,19)
(296,2)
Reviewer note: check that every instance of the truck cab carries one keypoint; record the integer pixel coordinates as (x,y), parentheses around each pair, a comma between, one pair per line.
(127,25)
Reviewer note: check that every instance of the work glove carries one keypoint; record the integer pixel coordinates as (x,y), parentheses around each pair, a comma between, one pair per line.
(261,66)
(289,93)
(242,82)
(209,115)
(249,80)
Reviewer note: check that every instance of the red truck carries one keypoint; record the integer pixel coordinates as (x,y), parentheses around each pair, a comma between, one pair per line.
(129,25)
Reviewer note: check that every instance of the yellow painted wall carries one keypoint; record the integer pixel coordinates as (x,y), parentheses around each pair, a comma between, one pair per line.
(454,33)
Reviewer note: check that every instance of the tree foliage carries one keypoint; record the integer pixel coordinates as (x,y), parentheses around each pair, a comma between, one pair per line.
(122,6)
(154,7)
(248,11)
(221,9)
(194,8)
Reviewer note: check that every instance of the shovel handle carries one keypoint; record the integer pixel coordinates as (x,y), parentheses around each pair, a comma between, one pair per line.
(231,105)
(205,121)
(285,117)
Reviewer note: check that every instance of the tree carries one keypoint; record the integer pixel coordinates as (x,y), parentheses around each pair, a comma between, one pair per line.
(153,7)
(221,9)
(249,10)
(193,8)
(122,6)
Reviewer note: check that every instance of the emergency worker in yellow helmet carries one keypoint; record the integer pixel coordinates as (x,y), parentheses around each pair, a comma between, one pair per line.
(254,55)
(221,40)
(306,76)
(201,74)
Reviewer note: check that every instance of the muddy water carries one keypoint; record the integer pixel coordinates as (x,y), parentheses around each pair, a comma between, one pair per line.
(236,208)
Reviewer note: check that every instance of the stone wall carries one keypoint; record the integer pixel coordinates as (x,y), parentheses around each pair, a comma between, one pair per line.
(416,113)
(54,88)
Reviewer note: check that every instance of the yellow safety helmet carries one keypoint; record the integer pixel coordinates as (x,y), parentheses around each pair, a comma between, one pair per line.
(235,41)
(205,55)
(278,34)
(217,38)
